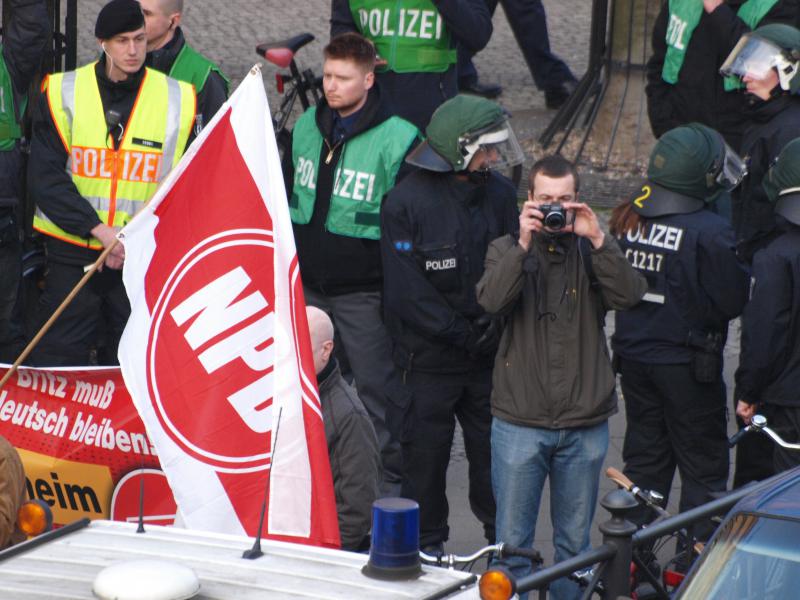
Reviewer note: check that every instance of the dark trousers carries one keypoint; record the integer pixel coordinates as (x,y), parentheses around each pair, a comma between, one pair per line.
(95,319)
(364,345)
(674,420)
(436,401)
(11,330)
(529,24)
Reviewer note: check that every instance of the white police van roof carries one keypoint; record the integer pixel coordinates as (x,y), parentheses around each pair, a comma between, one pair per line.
(66,567)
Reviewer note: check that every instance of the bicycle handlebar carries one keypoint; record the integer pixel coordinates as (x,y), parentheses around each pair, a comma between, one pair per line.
(758,424)
(501,550)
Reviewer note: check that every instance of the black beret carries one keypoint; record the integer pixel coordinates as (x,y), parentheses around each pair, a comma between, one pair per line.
(118,16)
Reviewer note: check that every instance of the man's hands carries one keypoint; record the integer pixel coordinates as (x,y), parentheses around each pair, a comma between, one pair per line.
(745,411)
(584,223)
(108,236)
(530,223)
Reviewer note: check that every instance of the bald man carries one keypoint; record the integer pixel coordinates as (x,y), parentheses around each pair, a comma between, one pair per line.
(12,493)
(168,52)
(352,444)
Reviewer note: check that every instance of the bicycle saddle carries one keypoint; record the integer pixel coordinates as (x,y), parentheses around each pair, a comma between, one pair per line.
(282,52)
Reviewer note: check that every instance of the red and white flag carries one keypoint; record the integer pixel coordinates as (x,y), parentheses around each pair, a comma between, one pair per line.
(217,345)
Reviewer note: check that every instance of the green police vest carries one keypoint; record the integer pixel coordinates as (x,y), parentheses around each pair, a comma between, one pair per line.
(10,130)
(410,35)
(367,168)
(684,15)
(192,67)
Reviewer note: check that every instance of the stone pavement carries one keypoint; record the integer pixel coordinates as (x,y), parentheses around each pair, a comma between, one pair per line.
(228,33)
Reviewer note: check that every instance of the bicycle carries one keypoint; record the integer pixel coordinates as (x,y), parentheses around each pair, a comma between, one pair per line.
(500,550)
(304,84)
(758,424)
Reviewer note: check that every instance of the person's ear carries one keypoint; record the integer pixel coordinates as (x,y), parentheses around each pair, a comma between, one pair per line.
(369,80)
(327,349)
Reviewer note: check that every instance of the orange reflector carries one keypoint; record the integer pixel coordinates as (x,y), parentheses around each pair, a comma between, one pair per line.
(495,585)
(35,517)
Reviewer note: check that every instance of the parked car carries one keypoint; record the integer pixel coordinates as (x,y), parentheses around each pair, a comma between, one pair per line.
(755,553)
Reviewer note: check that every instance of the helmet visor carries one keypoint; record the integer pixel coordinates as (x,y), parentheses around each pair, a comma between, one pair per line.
(752,56)
(733,170)
(496,148)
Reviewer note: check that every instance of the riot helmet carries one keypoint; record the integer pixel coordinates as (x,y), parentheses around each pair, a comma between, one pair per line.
(461,128)
(688,166)
(775,46)
(782,182)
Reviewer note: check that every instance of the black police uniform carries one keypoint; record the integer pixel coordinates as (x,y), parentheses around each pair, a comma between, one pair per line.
(769,368)
(436,228)
(24,41)
(669,351)
(772,124)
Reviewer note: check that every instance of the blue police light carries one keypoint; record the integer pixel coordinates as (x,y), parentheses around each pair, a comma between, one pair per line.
(394,551)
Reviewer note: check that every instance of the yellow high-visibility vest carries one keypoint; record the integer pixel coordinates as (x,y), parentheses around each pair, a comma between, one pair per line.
(117,183)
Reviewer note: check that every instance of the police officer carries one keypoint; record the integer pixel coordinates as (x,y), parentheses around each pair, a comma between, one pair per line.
(437,224)
(690,41)
(104,137)
(24,42)
(767,60)
(168,52)
(346,154)
(417,39)
(669,346)
(768,376)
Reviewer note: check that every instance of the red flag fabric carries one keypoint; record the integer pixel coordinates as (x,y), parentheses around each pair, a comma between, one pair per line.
(216,353)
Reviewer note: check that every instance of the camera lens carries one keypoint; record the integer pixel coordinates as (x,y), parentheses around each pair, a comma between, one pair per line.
(555,219)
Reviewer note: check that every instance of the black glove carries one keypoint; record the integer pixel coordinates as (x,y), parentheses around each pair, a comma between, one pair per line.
(486,332)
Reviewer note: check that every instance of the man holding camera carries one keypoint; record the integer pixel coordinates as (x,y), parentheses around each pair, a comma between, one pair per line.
(437,224)
(553,385)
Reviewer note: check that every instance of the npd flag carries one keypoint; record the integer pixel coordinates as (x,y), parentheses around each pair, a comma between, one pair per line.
(217,344)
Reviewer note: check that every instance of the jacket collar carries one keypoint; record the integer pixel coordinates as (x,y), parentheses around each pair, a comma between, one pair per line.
(163,58)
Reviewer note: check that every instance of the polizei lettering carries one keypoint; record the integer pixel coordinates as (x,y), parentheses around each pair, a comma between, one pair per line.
(240,324)
(354,185)
(657,235)
(409,23)
(441,264)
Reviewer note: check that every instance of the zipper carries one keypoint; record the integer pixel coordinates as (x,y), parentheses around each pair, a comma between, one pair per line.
(331,150)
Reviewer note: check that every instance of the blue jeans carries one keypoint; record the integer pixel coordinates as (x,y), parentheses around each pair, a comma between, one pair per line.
(522,458)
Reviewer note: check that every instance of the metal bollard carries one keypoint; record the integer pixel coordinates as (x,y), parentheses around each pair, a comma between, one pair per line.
(618,531)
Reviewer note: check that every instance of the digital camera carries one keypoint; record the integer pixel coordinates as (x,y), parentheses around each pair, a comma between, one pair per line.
(554,216)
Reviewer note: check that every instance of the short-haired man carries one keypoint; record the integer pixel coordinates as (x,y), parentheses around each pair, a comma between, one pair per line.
(104,137)
(168,52)
(345,156)
(352,445)
(553,382)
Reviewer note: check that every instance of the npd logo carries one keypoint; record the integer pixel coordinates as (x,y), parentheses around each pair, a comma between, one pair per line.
(210,356)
